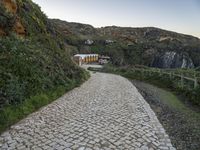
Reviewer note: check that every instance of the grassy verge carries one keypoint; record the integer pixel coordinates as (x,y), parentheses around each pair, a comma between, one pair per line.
(180,121)
(11,114)
(165,97)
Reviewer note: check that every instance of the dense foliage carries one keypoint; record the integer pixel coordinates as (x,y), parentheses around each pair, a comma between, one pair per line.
(131,46)
(6,19)
(122,54)
(35,69)
(29,67)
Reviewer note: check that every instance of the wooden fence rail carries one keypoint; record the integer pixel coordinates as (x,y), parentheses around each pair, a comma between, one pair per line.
(173,75)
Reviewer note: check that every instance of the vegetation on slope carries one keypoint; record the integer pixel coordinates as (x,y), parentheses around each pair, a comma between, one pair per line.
(34,70)
(131,45)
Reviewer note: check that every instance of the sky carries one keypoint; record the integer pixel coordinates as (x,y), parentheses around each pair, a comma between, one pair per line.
(181,16)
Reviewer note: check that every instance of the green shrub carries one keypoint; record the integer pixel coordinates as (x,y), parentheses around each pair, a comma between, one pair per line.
(34,70)
(38,101)
(10,114)
(15,91)
(7,20)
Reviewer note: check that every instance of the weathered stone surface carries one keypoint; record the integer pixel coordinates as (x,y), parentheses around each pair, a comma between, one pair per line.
(172,59)
(105,113)
(89,42)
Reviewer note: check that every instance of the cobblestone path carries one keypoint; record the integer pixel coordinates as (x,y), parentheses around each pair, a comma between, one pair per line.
(105,113)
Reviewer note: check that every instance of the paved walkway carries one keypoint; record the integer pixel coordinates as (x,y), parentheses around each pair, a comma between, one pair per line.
(105,113)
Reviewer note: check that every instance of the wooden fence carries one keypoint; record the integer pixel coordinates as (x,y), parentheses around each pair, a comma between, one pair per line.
(173,75)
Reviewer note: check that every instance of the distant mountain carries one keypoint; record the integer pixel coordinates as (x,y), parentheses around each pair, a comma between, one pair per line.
(144,46)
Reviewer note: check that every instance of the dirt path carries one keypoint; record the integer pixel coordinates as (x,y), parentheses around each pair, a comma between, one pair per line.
(106,112)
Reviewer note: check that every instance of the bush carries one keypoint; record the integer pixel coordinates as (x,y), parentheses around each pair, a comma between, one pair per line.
(10,114)
(34,70)
(39,100)
(15,90)
(29,67)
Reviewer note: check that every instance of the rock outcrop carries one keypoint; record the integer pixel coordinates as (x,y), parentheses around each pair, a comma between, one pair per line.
(171,59)
(2,33)
(167,49)
(109,41)
(10,5)
(17,26)
(89,42)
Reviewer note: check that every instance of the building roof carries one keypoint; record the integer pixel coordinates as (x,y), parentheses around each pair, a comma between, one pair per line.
(85,55)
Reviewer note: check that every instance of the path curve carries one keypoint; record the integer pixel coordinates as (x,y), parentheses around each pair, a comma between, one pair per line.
(105,113)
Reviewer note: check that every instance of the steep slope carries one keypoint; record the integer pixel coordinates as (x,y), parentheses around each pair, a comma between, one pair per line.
(145,46)
(78,29)
(35,60)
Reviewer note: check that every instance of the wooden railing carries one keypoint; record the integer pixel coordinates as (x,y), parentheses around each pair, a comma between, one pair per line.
(192,77)
(172,75)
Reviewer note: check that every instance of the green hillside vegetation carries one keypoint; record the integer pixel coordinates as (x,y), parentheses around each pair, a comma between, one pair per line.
(138,47)
(141,53)
(37,68)
(33,70)
(130,46)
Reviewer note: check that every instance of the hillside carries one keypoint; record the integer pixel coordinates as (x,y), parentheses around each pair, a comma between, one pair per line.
(34,59)
(144,46)
(35,51)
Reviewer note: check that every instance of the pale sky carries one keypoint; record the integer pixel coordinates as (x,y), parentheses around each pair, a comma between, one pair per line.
(181,16)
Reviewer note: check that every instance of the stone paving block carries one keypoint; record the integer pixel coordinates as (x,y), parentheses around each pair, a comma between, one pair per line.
(105,113)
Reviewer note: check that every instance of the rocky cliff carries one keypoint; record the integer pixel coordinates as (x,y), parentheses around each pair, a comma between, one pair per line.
(10,18)
(172,59)
(147,46)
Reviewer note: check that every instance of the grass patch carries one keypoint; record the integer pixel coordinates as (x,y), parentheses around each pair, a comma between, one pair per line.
(190,95)
(171,100)
(182,123)
(11,114)
(35,69)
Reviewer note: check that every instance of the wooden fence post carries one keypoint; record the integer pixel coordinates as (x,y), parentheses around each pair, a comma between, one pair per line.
(170,75)
(150,72)
(142,72)
(182,81)
(195,82)
(173,75)
(160,73)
